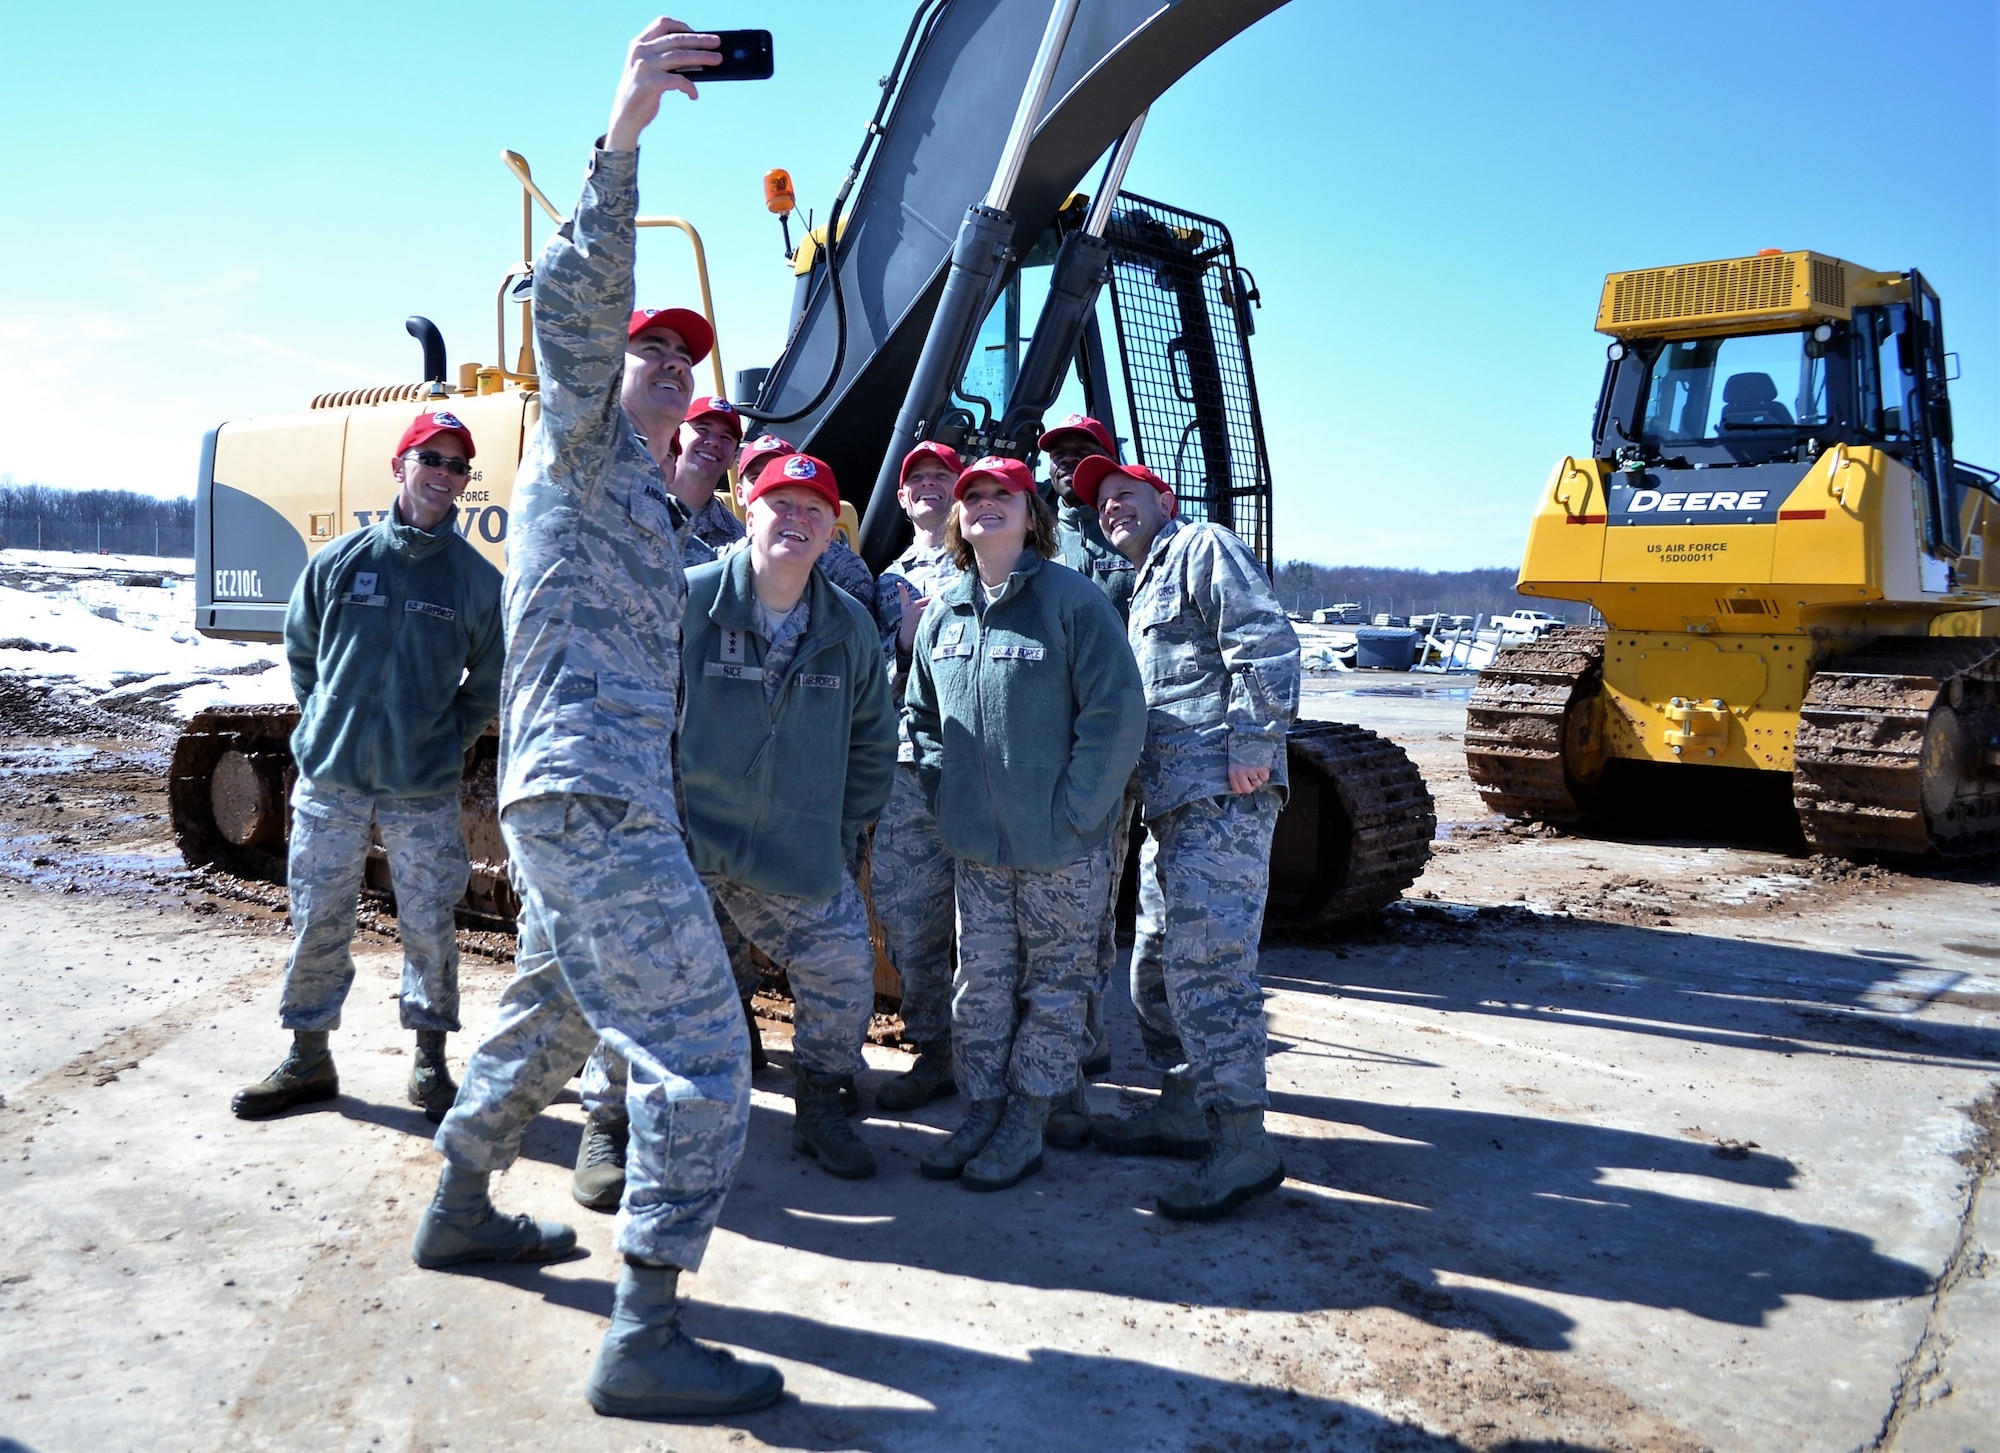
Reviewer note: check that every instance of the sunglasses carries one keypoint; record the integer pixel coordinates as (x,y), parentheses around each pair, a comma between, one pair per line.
(431,459)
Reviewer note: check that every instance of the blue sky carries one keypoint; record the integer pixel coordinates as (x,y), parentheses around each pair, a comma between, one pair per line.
(216,212)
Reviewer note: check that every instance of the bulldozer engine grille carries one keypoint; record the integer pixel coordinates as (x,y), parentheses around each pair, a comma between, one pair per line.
(1185,348)
(1701,290)
(388,393)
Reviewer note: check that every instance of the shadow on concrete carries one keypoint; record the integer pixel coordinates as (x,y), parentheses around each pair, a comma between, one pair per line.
(974,1398)
(1393,1220)
(1737,993)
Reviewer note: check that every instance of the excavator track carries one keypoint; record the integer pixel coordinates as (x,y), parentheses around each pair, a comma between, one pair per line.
(227,789)
(1355,832)
(1898,750)
(1531,731)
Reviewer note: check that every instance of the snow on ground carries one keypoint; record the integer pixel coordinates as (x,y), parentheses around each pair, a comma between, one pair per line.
(117,632)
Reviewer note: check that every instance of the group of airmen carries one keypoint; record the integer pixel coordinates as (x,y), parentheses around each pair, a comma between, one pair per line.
(704,719)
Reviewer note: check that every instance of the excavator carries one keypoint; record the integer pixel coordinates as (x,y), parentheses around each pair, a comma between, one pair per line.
(904,298)
(1797,578)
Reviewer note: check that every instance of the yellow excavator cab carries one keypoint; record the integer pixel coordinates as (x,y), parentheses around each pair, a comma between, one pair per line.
(1792,569)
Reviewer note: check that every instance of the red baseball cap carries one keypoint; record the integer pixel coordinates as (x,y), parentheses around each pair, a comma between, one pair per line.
(692,327)
(428,425)
(1012,473)
(761,451)
(931,449)
(797,471)
(1092,472)
(1085,425)
(721,408)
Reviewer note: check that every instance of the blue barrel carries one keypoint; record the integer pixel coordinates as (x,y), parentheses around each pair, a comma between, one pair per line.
(1385,648)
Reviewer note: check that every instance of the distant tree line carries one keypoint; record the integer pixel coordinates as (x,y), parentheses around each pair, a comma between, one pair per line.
(93,506)
(1304,587)
(117,521)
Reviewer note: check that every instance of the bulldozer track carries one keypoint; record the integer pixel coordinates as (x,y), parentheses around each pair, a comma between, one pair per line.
(1519,720)
(1894,750)
(1375,822)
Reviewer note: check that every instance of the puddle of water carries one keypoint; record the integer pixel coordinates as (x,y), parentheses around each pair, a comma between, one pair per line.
(43,761)
(1444,693)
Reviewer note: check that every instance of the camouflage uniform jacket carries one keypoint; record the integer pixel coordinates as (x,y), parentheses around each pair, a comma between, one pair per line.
(382,626)
(1220,663)
(927,572)
(1080,544)
(594,590)
(715,523)
(694,550)
(780,785)
(1027,717)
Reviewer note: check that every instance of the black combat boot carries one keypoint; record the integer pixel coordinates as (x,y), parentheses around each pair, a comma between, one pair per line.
(306,1075)
(431,1084)
(930,1078)
(820,1128)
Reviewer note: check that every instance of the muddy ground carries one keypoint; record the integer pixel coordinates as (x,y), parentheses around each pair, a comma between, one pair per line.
(1593,1143)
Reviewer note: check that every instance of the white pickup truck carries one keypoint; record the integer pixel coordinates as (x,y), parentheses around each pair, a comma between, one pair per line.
(1530,623)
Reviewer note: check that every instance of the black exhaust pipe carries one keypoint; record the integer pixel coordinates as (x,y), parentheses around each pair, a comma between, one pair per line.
(426,332)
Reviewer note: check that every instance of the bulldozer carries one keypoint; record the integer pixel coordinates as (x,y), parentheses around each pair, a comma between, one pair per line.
(1796,577)
(913,297)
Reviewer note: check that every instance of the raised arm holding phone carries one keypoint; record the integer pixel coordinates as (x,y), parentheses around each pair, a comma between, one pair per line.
(616,937)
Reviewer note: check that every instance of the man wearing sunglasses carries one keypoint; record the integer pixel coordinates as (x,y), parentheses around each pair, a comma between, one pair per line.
(393,635)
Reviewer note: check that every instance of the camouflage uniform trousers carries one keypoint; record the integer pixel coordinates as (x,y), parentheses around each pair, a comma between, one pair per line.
(828,959)
(616,943)
(1027,948)
(1107,930)
(601,1086)
(911,883)
(1203,874)
(425,840)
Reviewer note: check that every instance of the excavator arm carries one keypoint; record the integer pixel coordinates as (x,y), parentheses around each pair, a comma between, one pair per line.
(935,159)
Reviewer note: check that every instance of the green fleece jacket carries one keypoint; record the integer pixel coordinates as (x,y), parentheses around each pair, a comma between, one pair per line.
(1027,716)
(779,789)
(393,636)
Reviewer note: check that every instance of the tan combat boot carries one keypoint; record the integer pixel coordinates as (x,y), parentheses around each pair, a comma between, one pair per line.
(1241,1163)
(1171,1125)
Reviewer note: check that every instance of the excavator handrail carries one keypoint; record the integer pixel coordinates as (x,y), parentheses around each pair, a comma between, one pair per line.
(518,165)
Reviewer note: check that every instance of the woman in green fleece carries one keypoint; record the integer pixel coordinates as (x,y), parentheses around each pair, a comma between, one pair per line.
(1028,716)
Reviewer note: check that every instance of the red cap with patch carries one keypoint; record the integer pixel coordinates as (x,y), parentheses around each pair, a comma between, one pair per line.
(761,451)
(692,327)
(1092,473)
(931,449)
(1085,425)
(720,408)
(1011,473)
(797,471)
(428,425)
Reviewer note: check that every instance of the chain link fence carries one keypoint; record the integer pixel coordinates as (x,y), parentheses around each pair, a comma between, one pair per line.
(95,536)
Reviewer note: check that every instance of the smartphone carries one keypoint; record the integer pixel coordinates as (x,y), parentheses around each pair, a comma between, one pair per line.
(746,56)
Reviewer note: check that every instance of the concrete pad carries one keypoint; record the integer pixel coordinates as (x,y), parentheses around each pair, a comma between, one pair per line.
(1591,1144)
